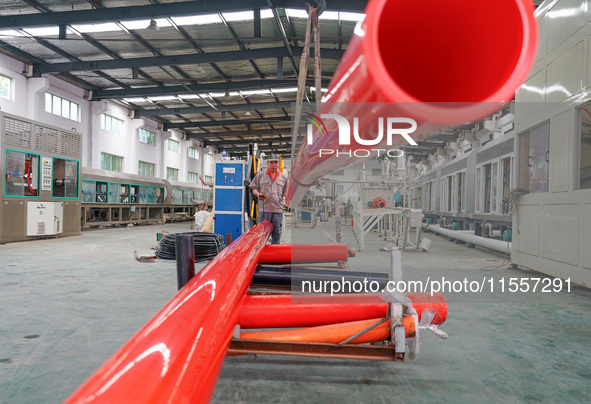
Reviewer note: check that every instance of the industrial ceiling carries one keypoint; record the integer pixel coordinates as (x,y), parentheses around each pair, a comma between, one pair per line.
(221,71)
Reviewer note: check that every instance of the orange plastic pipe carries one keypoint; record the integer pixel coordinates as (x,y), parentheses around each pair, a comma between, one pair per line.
(177,356)
(284,253)
(278,311)
(334,333)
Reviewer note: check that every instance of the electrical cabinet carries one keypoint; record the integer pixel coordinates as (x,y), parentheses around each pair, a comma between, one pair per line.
(45,218)
(228,198)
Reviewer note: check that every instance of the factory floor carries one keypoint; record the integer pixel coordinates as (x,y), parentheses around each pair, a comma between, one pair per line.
(67,304)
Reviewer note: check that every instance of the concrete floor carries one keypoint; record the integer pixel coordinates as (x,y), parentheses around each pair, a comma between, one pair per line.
(67,304)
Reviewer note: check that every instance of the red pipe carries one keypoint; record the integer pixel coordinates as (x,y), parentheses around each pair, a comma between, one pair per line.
(283,253)
(278,311)
(177,356)
(424,60)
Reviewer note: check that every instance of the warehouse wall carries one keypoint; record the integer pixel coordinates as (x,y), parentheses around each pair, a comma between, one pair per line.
(27,99)
(552,228)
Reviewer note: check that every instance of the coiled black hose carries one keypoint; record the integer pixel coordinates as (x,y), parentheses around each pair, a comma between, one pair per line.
(206,246)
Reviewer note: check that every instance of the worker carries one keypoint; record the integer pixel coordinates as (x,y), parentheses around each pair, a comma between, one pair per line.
(270,187)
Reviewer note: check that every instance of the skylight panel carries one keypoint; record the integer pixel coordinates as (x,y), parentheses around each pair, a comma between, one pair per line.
(239,16)
(197,19)
(293,13)
(347,16)
(43,31)
(267,13)
(102,27)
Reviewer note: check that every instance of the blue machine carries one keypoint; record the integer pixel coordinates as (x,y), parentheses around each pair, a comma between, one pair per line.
(228,198)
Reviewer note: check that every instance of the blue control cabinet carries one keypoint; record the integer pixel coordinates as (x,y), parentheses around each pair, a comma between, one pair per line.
(228,198)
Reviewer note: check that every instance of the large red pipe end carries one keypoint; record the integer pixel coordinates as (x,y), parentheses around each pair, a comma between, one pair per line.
(448,51)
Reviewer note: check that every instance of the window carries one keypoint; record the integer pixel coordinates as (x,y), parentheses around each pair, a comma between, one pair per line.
(172,173)
(54,104)
(65,178)
(192,177)
(534,158)
(22,174)
(111,124)
(193,153)
(585,147)
(209,158)
(111,162)
(208,178)
(146,169)
(5,87)
(173,146)
(147,136)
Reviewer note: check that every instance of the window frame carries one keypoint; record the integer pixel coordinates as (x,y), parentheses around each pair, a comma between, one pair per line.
(151,166)
(173,146)
(195,153)
(112,155)
(151,136)
(172,170)
(10,80)
(57,102)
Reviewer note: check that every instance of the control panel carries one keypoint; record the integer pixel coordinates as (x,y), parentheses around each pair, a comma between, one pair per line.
(229,175)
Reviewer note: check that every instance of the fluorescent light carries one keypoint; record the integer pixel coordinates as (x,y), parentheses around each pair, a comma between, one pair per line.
(284,90)
(197,19)
(162,98)
(252,92)
(214,95)
(136,100)
(239,16)
(103,27)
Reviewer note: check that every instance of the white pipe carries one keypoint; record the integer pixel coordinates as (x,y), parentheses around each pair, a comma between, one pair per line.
(500,246)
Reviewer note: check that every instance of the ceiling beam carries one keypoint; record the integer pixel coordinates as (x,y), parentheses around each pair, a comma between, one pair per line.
(260,147)
(285,131)
(209,109)
(226,122)
(175,60)
(152,11)
(198,88)
(247,141)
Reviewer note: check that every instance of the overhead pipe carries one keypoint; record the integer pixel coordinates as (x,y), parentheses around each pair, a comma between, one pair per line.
(278,311)
(421,60)
(177,356)
(499,246)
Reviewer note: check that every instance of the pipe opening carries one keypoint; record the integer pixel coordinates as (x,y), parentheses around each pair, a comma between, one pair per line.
(451,51)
